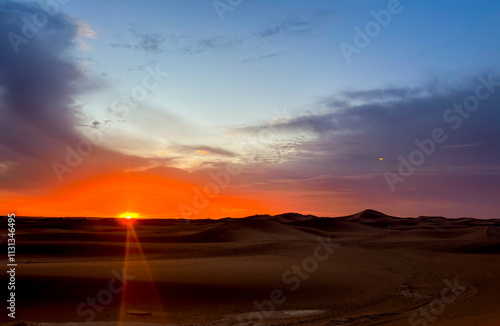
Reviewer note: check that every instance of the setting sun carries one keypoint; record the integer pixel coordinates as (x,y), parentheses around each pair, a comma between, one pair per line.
(129,215)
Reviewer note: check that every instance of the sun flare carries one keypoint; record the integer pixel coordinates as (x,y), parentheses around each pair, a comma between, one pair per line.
(129,215)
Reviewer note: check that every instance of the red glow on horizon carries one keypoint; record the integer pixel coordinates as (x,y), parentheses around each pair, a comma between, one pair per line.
(149,195)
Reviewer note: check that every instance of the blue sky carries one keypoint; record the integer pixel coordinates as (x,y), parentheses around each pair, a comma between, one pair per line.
(246,81)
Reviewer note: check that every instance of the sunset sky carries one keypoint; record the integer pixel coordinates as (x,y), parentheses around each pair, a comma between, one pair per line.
(196,108)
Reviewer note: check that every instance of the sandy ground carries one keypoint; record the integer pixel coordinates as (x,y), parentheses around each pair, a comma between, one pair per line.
(364,269)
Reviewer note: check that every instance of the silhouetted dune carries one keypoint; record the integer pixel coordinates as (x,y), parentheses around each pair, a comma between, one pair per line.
(283,218)
(246,230)
(252,228)
(332,225)
(368,214)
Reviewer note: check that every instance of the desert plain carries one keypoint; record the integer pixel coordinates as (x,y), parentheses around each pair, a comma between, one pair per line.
(290,269)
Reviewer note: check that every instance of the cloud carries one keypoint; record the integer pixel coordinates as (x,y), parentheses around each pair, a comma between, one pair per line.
(288,26)
(299,24)
(37,83)
(464,145)
(402,113)
(122,45)
(346,142)
(85,30)
(181,43)
(384,94)
(204,149)
(38,114)
(261,57)
(214,43)
(149,42)
(156,43)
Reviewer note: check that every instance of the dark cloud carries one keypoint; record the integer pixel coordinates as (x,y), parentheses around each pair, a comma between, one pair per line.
(37,82)
(394,115)
(347,141)
(38,114)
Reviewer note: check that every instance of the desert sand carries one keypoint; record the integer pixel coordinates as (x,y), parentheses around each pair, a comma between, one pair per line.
(289,269)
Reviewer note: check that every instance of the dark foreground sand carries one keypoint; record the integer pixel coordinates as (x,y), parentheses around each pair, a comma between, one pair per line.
(364,269)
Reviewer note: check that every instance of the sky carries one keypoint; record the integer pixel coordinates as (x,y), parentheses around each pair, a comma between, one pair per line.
(208,109)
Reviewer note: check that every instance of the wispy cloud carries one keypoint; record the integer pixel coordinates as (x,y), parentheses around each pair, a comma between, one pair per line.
(464,145)
(261,57)
(385,122)
(288,26)
(215,43)
(148,42)
(384,94)
(204,149)
(151,42)
(157,43)
(301,24)
(85,30)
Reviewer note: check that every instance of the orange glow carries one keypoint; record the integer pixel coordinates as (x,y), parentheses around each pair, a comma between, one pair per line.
(125,194)
(128,218)
(129,215)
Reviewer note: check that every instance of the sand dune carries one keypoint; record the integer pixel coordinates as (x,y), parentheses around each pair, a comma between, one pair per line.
(384,270)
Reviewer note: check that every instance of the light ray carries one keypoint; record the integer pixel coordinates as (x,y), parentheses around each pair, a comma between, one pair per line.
(141,292)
